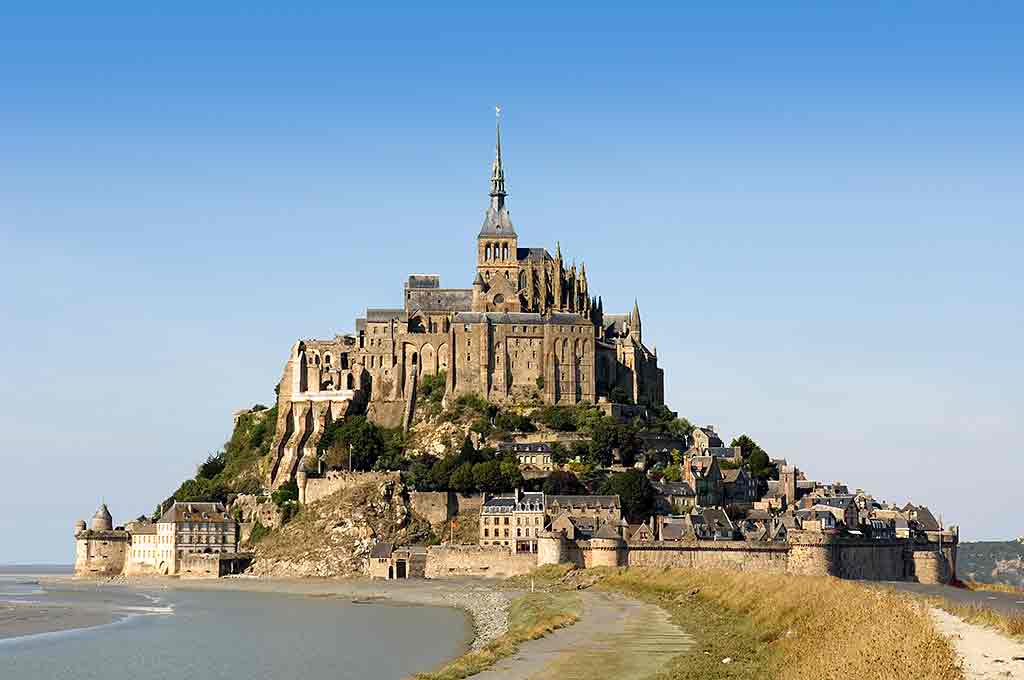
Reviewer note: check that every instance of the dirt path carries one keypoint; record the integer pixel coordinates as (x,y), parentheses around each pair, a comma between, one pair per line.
(616,637)
(986,654)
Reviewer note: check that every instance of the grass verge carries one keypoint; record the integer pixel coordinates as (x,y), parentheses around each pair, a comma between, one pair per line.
(1008,624)
(530,617)
(789,627)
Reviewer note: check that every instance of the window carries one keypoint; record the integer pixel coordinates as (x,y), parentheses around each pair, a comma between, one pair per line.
(506,524)
(486,532)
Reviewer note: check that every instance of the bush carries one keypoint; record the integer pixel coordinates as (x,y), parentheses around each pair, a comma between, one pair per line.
(431,392)
(287,492)
(620,395)
(513,422)
(559,418)
(258,533)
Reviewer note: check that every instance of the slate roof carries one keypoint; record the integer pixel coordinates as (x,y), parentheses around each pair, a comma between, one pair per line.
(717,519)
(673,488)
(532,254)
(499,317)
(179,512)
(607,531)
(609,502)
(497,222)
(382,550)
(424,281)
(673,532)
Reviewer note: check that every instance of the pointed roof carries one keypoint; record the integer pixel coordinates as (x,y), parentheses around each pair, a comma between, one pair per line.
(497,221)
(634,318)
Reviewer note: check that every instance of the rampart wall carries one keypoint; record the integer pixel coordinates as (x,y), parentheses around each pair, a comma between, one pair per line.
(807,553)
(312,489)
(477,560)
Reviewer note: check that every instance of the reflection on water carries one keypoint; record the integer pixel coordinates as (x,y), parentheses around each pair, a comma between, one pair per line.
(171,634)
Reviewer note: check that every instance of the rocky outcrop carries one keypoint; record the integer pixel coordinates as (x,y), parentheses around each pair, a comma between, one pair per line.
(333,536)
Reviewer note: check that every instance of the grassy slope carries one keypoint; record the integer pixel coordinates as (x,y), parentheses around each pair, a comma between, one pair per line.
(784,627)
(530,617)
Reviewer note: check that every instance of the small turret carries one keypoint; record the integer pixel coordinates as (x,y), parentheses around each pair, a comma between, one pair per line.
(102,521)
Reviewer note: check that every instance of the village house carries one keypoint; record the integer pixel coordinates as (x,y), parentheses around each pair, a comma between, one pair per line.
(673,497)
(530,456)
(513,520)
(704,476)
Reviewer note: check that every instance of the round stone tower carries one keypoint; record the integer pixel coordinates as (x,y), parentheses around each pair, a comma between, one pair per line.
(607,549)
(552,548)
(79,526)
(102,521)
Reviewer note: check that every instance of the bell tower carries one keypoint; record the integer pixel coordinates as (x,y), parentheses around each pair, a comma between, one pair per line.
(497,242)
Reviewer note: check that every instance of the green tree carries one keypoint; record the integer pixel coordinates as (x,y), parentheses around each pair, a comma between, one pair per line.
(635,492)
(561,482)
(559,454)
(462,480)
(353,441)
(212,467)
(487,477)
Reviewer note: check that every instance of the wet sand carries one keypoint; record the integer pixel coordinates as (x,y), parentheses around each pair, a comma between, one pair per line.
(18,620)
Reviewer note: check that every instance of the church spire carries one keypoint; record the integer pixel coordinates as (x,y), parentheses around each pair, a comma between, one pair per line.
(497,171)
(634,322)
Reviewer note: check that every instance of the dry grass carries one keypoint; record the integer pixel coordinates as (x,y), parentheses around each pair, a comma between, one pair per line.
(792,628)
(1008,624)
(530,617)
(993,587)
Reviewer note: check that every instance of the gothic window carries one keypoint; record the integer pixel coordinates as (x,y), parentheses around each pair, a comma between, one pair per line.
(487,252)
(499,299)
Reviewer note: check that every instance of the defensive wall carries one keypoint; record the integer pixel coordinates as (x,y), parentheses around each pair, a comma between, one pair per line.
(313,488)
(807,553)
(477,560)
(437,507)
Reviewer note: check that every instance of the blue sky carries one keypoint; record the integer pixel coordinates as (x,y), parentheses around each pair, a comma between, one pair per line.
(818,208)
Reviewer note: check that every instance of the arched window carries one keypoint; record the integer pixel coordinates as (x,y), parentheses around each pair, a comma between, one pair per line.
(499,299)
(504,251)
(349,382)
(487,251)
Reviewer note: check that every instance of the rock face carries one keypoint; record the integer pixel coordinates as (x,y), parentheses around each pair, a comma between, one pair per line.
(333,536)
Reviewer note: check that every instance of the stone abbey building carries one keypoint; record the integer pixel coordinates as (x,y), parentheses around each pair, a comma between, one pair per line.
(528,325)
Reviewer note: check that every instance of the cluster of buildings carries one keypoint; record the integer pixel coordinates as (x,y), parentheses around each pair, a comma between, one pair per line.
(528,327)
(189,539)
(713,501)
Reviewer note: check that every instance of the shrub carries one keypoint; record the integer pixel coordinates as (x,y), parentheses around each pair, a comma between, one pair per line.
(559,418)
(513,422)
(559,482)
(620,395)
(213,466)
(285,493)
(258,533)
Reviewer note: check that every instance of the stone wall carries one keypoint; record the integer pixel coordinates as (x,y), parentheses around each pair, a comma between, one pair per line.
(312,489)
(475,560)
(733,555)
(437,507)
(808,553)
(100,553)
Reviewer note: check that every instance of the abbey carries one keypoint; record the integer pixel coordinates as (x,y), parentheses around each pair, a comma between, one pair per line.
(528,326)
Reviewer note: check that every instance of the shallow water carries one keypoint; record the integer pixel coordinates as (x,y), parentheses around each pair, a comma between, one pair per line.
(172,634)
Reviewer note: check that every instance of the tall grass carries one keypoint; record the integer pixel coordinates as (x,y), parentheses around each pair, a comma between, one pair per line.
(530,617)
(1008,624)
(792,628)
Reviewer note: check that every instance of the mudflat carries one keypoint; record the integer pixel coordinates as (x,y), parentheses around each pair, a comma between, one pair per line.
(20,619)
